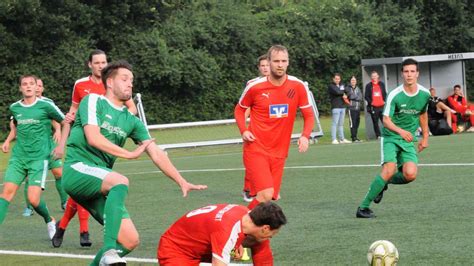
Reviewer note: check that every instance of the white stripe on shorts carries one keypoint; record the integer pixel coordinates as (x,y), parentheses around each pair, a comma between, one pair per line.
(90,170)
(45,173)
(381,151)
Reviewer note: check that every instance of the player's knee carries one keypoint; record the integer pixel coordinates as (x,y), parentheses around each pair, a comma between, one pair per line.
(8,194)
(410,176)
(34,201)
(57,172)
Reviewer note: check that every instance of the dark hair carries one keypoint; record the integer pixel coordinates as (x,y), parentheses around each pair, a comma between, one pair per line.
(457,86)
(27,76)
(409,61)
(260,58)
(95,52)
(277,48)
(111,70)
(268,213)
(374,71)
(337,74)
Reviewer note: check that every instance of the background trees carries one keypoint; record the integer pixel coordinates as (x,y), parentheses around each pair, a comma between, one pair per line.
(192,58)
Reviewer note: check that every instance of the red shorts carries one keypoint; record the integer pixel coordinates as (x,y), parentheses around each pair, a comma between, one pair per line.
(263,172)
(168,255)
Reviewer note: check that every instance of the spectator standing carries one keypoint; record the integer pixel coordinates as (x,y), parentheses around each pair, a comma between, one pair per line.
(338,97)
(355,99)
(375,95)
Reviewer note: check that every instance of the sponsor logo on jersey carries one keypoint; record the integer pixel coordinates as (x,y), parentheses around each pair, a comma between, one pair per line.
(30,121)
(409,111)
(108,116)
(267,94)
(278,110)
(113,130)
(403,105)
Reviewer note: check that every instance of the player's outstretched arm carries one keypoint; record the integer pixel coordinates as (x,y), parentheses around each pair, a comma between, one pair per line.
(98,141)
(161,160)
(57,131)
(423,143)
(388,124)
(11,136)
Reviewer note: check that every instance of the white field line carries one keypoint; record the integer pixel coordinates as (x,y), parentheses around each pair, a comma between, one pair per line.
(89,257)
(293,167)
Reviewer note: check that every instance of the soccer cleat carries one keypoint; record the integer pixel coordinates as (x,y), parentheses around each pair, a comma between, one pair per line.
(63,206)
(379,197)
(246,196)
(345,141)
(365,213)
(27,212)
(84,240)
(58,236)
(111,257)
(51,229)
(335,141)
(356,140)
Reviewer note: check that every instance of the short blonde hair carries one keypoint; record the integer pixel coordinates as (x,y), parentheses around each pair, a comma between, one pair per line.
(276,48)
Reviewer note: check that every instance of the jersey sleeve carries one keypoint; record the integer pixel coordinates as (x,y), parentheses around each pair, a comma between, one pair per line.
(389,109)
(76,95)
(223,242)
(89,110)
(140,132)
(246,99)
(54,112)
(303,99)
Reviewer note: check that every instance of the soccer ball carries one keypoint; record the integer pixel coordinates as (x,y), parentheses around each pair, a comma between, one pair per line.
(382,253)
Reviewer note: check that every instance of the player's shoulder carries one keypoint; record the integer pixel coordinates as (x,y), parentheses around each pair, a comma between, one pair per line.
(424,91)
(256,82)
(46,99)
(296,80)
(82,81)
(15,104)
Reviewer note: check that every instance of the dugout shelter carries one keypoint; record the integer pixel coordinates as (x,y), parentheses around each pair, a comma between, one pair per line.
(441,71)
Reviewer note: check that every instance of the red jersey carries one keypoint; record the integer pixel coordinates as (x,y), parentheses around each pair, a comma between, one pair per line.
(458,103)
(214,229)
(273,112)
(377,97)
(85,86)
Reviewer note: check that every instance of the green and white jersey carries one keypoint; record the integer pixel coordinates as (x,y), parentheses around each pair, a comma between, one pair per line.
(33,123)
(405,109)
(116,124)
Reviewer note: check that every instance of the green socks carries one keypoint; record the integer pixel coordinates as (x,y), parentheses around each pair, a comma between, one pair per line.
(398,179)
(114,206)
(121,250)
(61,192)
(375,188)
(3,209)
(43,211)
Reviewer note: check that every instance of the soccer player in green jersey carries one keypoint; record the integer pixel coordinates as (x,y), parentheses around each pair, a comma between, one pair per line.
(55,165)
(101,128)
(31,153)
(405,110)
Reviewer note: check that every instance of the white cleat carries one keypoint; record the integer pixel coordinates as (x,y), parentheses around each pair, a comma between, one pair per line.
(345,141)
(246,196)
(335,141)
(111,257)
(51,228)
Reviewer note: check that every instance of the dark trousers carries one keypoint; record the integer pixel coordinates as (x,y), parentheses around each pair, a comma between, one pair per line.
(376,115)
(354,121)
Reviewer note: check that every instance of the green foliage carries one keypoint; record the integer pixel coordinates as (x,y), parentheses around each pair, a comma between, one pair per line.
(193,58)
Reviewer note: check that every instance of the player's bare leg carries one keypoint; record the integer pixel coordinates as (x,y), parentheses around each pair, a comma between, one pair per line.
(34,197)
(9,191)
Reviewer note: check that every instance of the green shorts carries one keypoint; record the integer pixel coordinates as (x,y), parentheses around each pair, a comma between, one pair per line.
(83,182)
(398,151)
(18,169)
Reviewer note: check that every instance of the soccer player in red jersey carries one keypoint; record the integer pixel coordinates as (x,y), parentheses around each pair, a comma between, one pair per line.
(274,101)
(82,87)
(458,102)
(212,233)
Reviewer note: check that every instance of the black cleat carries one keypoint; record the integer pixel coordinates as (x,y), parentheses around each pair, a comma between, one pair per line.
(84,240)
(365,213)
(379,197)
(58,236)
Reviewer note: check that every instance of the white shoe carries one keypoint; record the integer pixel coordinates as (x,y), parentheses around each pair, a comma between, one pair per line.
(471,129)
(51,228)
(110,257)
(345,141)
(335,141)
(246,196)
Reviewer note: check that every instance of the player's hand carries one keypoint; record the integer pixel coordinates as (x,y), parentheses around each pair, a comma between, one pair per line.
(248,136)
(57,136)
(186,187)
(70,117)
(140,149)
(238,253)
(407,136)
(423,144)
(6,147)
(58,152)
(303,144)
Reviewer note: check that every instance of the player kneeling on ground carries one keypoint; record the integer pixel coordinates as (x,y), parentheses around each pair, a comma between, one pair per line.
(101,128)
(211,233)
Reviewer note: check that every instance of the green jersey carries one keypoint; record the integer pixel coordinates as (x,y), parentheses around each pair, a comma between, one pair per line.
(33,123)
(405,109)
(116,124)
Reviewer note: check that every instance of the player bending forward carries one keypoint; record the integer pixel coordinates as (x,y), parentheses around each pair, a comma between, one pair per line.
(213,233)
(101,128)
(405,110)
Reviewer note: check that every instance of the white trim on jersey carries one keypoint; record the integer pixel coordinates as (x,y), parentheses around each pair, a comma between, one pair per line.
(90,170)
(45,173)
(390,97)
(28,105)
(252,83)
(111,104)
(84,79)
(55,107)
(230,244)
(92,112)
(306,89)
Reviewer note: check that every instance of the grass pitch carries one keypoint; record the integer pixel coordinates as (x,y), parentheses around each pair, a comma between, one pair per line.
(430,221)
